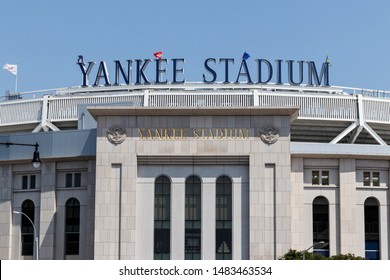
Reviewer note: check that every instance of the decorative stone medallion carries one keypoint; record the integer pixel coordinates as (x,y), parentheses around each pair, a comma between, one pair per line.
(269,135)
(116,134)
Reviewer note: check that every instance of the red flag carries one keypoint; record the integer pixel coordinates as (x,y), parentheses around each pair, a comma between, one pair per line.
(158,55)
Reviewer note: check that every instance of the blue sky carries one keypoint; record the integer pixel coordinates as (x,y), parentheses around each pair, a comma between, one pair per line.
(44,37)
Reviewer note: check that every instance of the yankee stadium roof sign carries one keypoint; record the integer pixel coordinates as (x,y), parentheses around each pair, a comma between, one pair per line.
(156,71)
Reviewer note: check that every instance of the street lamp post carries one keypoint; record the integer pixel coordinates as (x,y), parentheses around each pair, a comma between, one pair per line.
(36,161)
(315,244)
(36,242)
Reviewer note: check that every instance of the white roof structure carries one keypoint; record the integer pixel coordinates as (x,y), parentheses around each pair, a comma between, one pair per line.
(326,115)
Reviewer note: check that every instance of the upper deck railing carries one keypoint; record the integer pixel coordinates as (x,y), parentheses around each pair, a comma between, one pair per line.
(316,103)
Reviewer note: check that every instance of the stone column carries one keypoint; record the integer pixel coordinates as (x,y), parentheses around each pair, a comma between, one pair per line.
(297,205)
(46,219)
(208,219)
(91,210)
(177,218)
(6,213)
(348,208)
(333,229)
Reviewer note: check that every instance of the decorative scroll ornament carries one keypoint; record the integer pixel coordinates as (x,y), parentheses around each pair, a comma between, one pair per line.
(116,134)
(269,135)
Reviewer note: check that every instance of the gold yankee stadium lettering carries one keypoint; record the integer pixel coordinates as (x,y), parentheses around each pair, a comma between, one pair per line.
(151,134)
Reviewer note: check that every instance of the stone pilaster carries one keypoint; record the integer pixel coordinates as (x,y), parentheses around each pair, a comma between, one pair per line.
(46,229)
(5,212)
(348,208)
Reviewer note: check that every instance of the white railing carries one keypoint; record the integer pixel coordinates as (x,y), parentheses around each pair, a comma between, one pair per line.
(329,104)
(65,108)
(377,110)
(326,107)
(366,92)
(204,99)
(20,111)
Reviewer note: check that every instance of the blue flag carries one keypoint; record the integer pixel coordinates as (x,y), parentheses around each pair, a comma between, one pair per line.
(245,56)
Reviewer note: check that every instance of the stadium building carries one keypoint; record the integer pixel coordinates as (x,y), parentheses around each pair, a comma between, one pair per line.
(182,170)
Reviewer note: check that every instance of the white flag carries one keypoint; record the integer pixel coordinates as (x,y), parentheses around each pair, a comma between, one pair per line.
(13,68)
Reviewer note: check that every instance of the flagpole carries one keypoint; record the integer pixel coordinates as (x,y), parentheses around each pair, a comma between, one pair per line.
(16,83)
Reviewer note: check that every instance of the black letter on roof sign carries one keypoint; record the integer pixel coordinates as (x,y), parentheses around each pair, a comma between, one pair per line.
(140,71)
(312,72)
(279,72)
(226,60)
(119,68)
(245,73)
(85,72)
(210,70)
(291,72)
(160,71)
(177,70)
(102,73)
(269,67)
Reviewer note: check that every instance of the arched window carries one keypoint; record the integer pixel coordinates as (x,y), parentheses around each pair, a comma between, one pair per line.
(223,216)
(371,228)
(321,225)
(27,229)
(72,227)
(193,219)
(162,218)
